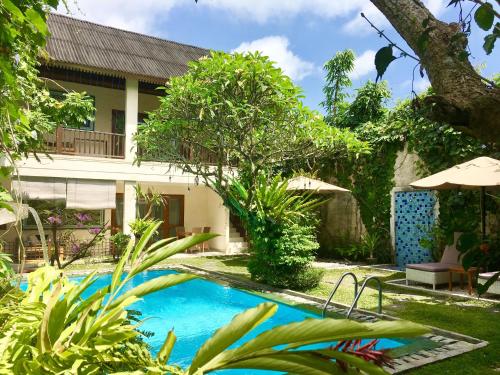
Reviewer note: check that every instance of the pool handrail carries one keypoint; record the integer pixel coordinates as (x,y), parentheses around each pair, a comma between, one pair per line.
(337,286)
(356,299)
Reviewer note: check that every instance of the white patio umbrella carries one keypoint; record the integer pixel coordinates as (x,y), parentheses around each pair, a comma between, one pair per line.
(480,173)
(302,183)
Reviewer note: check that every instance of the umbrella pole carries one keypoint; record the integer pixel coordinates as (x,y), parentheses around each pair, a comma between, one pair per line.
(483,212)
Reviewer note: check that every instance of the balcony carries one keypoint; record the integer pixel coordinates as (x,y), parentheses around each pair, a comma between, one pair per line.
(67,141)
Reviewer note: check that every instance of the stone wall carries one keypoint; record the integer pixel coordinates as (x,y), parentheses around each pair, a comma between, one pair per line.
(340,219)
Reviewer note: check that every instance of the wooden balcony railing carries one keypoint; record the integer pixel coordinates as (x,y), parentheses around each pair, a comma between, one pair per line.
(185,152)
(69,141)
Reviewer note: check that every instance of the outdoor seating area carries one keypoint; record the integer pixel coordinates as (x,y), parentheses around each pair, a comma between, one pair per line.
(438,272)
(182,233)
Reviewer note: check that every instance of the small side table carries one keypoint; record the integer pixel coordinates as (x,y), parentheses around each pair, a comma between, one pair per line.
(460,270)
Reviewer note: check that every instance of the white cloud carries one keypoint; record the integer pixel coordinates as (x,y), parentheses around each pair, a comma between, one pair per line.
(358,25)
(437,7)
(277,48)
(363,65)
(265,10)
(130,15)
(141,15)
(421,85)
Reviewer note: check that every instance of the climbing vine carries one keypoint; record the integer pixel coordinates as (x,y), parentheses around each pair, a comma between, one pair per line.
(370,177)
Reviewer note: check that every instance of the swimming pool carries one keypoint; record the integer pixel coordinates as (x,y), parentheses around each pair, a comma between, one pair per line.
(197,308)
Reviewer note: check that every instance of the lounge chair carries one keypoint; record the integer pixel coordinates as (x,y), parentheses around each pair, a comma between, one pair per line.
(495,287)
(435,273)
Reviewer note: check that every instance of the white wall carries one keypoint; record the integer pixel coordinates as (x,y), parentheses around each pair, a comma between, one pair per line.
(202,207)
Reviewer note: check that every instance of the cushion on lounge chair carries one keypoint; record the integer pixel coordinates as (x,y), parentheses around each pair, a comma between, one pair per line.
(431,267)
(486,275)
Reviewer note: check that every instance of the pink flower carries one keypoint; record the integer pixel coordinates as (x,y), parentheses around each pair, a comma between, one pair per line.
(75,248)
(95,230)
(55,220)
(82,217)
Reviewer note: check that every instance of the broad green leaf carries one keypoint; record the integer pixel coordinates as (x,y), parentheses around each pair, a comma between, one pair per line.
(152,286)
(224,337)
(117,274)
(146,236)
(14,10)
(383,58)
(313,331)
(166,349)
(159,244)
(490,39)
(37,21)
(73,295)
(291,363)
(169,250)
(44,343)
(484,16)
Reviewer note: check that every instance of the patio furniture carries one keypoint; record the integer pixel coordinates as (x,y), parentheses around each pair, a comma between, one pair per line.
(180,232)
(205,230)
(495,287)
(438,272)
(196,230)
(461,271)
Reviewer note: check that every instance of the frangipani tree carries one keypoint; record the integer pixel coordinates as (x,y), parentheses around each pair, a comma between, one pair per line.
(237,112)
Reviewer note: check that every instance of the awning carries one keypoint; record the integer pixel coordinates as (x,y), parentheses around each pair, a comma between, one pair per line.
(91,194)
(40,188)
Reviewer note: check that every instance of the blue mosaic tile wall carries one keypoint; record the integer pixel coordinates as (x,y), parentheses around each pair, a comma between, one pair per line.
(414,213)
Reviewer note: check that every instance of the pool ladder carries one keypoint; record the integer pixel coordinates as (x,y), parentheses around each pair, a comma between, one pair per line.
(357,294)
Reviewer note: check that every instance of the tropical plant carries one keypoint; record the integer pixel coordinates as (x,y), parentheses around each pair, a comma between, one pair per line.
(336,82)
(119,241)
(282,229)
(51,329)
(27,110)
(139,226)
(482,253)
(6,270)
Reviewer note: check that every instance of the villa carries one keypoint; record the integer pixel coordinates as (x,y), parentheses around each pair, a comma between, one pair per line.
(92,168)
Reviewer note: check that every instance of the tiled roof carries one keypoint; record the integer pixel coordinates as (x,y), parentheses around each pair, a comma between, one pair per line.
(115,51)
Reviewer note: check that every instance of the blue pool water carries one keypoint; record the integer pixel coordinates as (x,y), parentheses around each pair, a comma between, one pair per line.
(197,308)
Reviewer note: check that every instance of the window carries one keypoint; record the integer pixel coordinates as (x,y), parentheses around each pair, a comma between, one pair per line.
(118,120)
(89,125)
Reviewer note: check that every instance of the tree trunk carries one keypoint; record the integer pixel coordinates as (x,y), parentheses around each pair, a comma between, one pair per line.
(461,97)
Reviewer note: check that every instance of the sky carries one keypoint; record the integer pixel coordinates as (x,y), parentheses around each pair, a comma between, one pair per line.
(299,35)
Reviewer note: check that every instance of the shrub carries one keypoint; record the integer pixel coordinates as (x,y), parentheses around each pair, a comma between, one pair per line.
(282,253)
(119,241)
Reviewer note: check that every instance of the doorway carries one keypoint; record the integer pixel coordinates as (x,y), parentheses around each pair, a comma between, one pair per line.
(171,213)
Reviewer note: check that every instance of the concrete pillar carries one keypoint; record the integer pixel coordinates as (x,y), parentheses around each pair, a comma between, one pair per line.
(129,205)
(131,111)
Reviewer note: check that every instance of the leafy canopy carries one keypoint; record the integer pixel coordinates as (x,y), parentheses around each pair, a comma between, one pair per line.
(238,111)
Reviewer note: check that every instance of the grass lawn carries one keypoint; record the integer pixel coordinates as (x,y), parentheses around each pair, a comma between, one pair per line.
(471,317)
